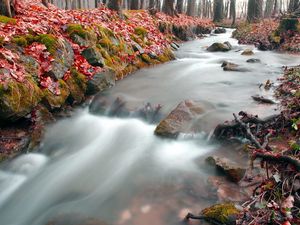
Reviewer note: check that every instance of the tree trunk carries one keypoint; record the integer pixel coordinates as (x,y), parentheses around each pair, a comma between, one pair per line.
(294,5)
(168,7)
(269,8)
(191,8)
(254,10)
(179,6)
(134,4)
(233,11)
(218,10)
(152,4)
(45,3)
(115,5)
(7,8)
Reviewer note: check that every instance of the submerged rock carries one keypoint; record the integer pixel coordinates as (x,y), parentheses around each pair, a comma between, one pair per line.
(220,30)
(75,219)
(221,213)
(228,66)
(253,60)
(101,81)
(219,47)
(180,120)
(232,170)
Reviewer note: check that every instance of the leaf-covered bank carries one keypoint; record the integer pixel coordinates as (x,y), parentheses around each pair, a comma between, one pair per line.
(283,35)
(53,58)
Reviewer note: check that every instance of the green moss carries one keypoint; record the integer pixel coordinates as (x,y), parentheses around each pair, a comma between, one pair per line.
(105,32)
(78,30)
(56,101)
(224,213)
(50,41)
(141,31)
(146,58)
(77,84)
(20,41)
(5,19)
(18,98)
(105,42)
(1,40)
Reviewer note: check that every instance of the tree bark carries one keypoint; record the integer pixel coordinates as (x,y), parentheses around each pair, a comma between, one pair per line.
(179,6)
(45,3)
(218,10)
(269,8)
(115,5)
(191,8)
(168,7)
(254,10)
(7,8)
(134,4)
(232,11)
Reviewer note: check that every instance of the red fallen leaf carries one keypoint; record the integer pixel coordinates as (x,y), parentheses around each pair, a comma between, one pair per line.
(286,223)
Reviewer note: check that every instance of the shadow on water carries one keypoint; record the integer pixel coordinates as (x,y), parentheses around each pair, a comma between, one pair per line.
(116,169)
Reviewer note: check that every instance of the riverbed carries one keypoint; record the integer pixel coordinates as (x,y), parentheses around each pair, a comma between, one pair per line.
(115,169)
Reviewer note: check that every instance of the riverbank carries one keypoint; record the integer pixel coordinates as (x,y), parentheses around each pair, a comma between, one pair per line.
(53,59)
(282,35)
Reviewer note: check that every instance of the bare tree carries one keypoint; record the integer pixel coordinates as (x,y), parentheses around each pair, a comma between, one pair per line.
(191,5)
(179,6)
(254,10)
(269,8)
(218,10)
(168,7)
(115,5)
(232,13)
(134,4)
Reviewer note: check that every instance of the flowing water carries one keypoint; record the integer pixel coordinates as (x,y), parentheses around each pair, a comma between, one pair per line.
(116,169)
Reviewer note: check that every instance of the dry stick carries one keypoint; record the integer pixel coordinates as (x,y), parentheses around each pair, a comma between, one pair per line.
(249,134)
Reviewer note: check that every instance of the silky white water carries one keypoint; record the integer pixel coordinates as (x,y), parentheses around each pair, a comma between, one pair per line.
(116,169)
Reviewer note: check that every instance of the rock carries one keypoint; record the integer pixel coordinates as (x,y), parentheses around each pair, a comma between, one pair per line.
(180,120)
(232,170)
(77,84)
(220,30)
(63,59)
(17,99)
(174,46)
(218,47)
(136,47)
(221,213)
(183,33)
(247,52)
(79,40)
(228,66)
(262,99)
(228,44)
(55,101)
(93,56)
(253,60)
(101,81)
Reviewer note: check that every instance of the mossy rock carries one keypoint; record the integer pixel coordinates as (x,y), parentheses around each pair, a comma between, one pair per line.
(31,66)
(93,56)
(146,58)
(50,41)
(17,99)
(25,40)
(53,101)
(221,213)
(101,81)
(5,19)
(63,59)
(77,84)
(78,33)
(218,47)
(141,31)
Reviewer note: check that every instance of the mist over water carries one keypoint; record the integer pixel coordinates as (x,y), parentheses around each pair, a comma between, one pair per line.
(116,169)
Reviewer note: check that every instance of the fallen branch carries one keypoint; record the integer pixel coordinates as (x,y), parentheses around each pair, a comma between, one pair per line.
(279,159)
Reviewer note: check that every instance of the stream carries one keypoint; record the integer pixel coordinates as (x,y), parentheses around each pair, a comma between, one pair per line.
(115,169)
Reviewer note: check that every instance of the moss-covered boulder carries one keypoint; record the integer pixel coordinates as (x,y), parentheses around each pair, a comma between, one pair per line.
(218,47)
(93,56)
(247,51)
(101,81)
(77,84)
(82,36)
(221,214)
(54,101)
(17,99)
(31,65)
(63,58)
